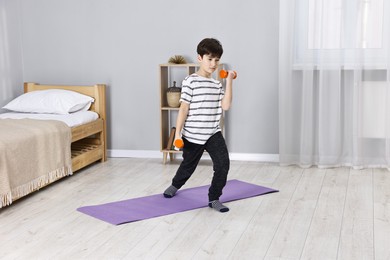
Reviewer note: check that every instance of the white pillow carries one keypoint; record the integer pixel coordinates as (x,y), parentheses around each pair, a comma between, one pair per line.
(51,101)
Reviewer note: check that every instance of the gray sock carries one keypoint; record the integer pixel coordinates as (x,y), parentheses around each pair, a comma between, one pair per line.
(170,192)
(217,205)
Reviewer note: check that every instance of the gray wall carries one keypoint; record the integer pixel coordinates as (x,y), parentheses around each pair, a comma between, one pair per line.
(11,74)
(121,43)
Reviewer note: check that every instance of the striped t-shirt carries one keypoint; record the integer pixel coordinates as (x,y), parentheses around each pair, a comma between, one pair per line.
(204,96)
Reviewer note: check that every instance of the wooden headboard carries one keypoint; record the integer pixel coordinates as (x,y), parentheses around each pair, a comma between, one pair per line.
(98,92)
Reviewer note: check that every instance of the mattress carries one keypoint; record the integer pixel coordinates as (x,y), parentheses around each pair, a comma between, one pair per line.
(72,120)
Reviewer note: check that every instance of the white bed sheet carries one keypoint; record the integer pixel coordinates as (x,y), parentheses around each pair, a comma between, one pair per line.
(72,120)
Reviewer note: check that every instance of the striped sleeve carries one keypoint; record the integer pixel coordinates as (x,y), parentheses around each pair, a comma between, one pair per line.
(186,91)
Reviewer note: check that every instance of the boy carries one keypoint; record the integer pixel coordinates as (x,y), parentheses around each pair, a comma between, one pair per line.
(202,101)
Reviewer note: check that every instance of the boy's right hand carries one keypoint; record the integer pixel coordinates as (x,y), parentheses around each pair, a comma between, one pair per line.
(179,143)
(232,74)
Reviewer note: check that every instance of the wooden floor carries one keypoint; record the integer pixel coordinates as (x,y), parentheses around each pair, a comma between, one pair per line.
(318,214)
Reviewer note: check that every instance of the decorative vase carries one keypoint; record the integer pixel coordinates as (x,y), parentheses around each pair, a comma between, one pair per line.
(173,95)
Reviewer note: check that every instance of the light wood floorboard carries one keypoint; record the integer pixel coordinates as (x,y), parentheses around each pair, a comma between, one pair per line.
(337,213)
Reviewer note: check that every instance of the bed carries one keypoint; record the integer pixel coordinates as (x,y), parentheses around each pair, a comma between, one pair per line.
(50,149)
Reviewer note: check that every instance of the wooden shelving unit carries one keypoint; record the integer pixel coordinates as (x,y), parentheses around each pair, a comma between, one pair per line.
(168,74)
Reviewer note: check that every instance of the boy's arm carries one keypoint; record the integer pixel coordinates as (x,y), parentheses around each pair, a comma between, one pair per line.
(227,99)
(181,118)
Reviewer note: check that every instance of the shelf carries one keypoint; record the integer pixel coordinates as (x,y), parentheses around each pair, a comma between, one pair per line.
(185,65)
(85,153)
(171,151)
(170,108)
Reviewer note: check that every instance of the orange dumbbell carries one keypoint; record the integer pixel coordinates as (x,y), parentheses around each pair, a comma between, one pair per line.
(224,73)
(179,143)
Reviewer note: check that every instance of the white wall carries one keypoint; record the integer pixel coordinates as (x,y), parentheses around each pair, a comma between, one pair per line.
(121,43)
(11,74)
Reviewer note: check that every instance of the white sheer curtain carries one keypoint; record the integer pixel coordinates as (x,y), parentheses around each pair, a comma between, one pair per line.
(334,83)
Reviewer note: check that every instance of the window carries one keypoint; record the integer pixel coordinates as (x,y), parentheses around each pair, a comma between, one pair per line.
(337,33)
(345,24)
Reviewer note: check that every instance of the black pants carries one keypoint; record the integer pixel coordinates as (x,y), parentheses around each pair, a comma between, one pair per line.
(216,147)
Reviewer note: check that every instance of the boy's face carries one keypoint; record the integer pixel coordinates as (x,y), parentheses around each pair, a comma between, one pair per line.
(208,63)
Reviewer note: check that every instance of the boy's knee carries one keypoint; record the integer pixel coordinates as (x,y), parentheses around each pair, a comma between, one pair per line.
(222,166)
(226,162)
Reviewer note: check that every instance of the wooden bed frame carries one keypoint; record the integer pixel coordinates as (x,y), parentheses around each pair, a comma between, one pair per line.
(89,141)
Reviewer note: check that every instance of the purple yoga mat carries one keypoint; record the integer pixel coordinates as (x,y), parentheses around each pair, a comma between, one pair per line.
(130,210)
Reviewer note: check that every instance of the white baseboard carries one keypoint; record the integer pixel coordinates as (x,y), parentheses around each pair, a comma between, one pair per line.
(256,157)
(157,154)
(134,153)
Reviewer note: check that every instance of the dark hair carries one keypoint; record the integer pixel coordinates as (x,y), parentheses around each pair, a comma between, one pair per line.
(211,47)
